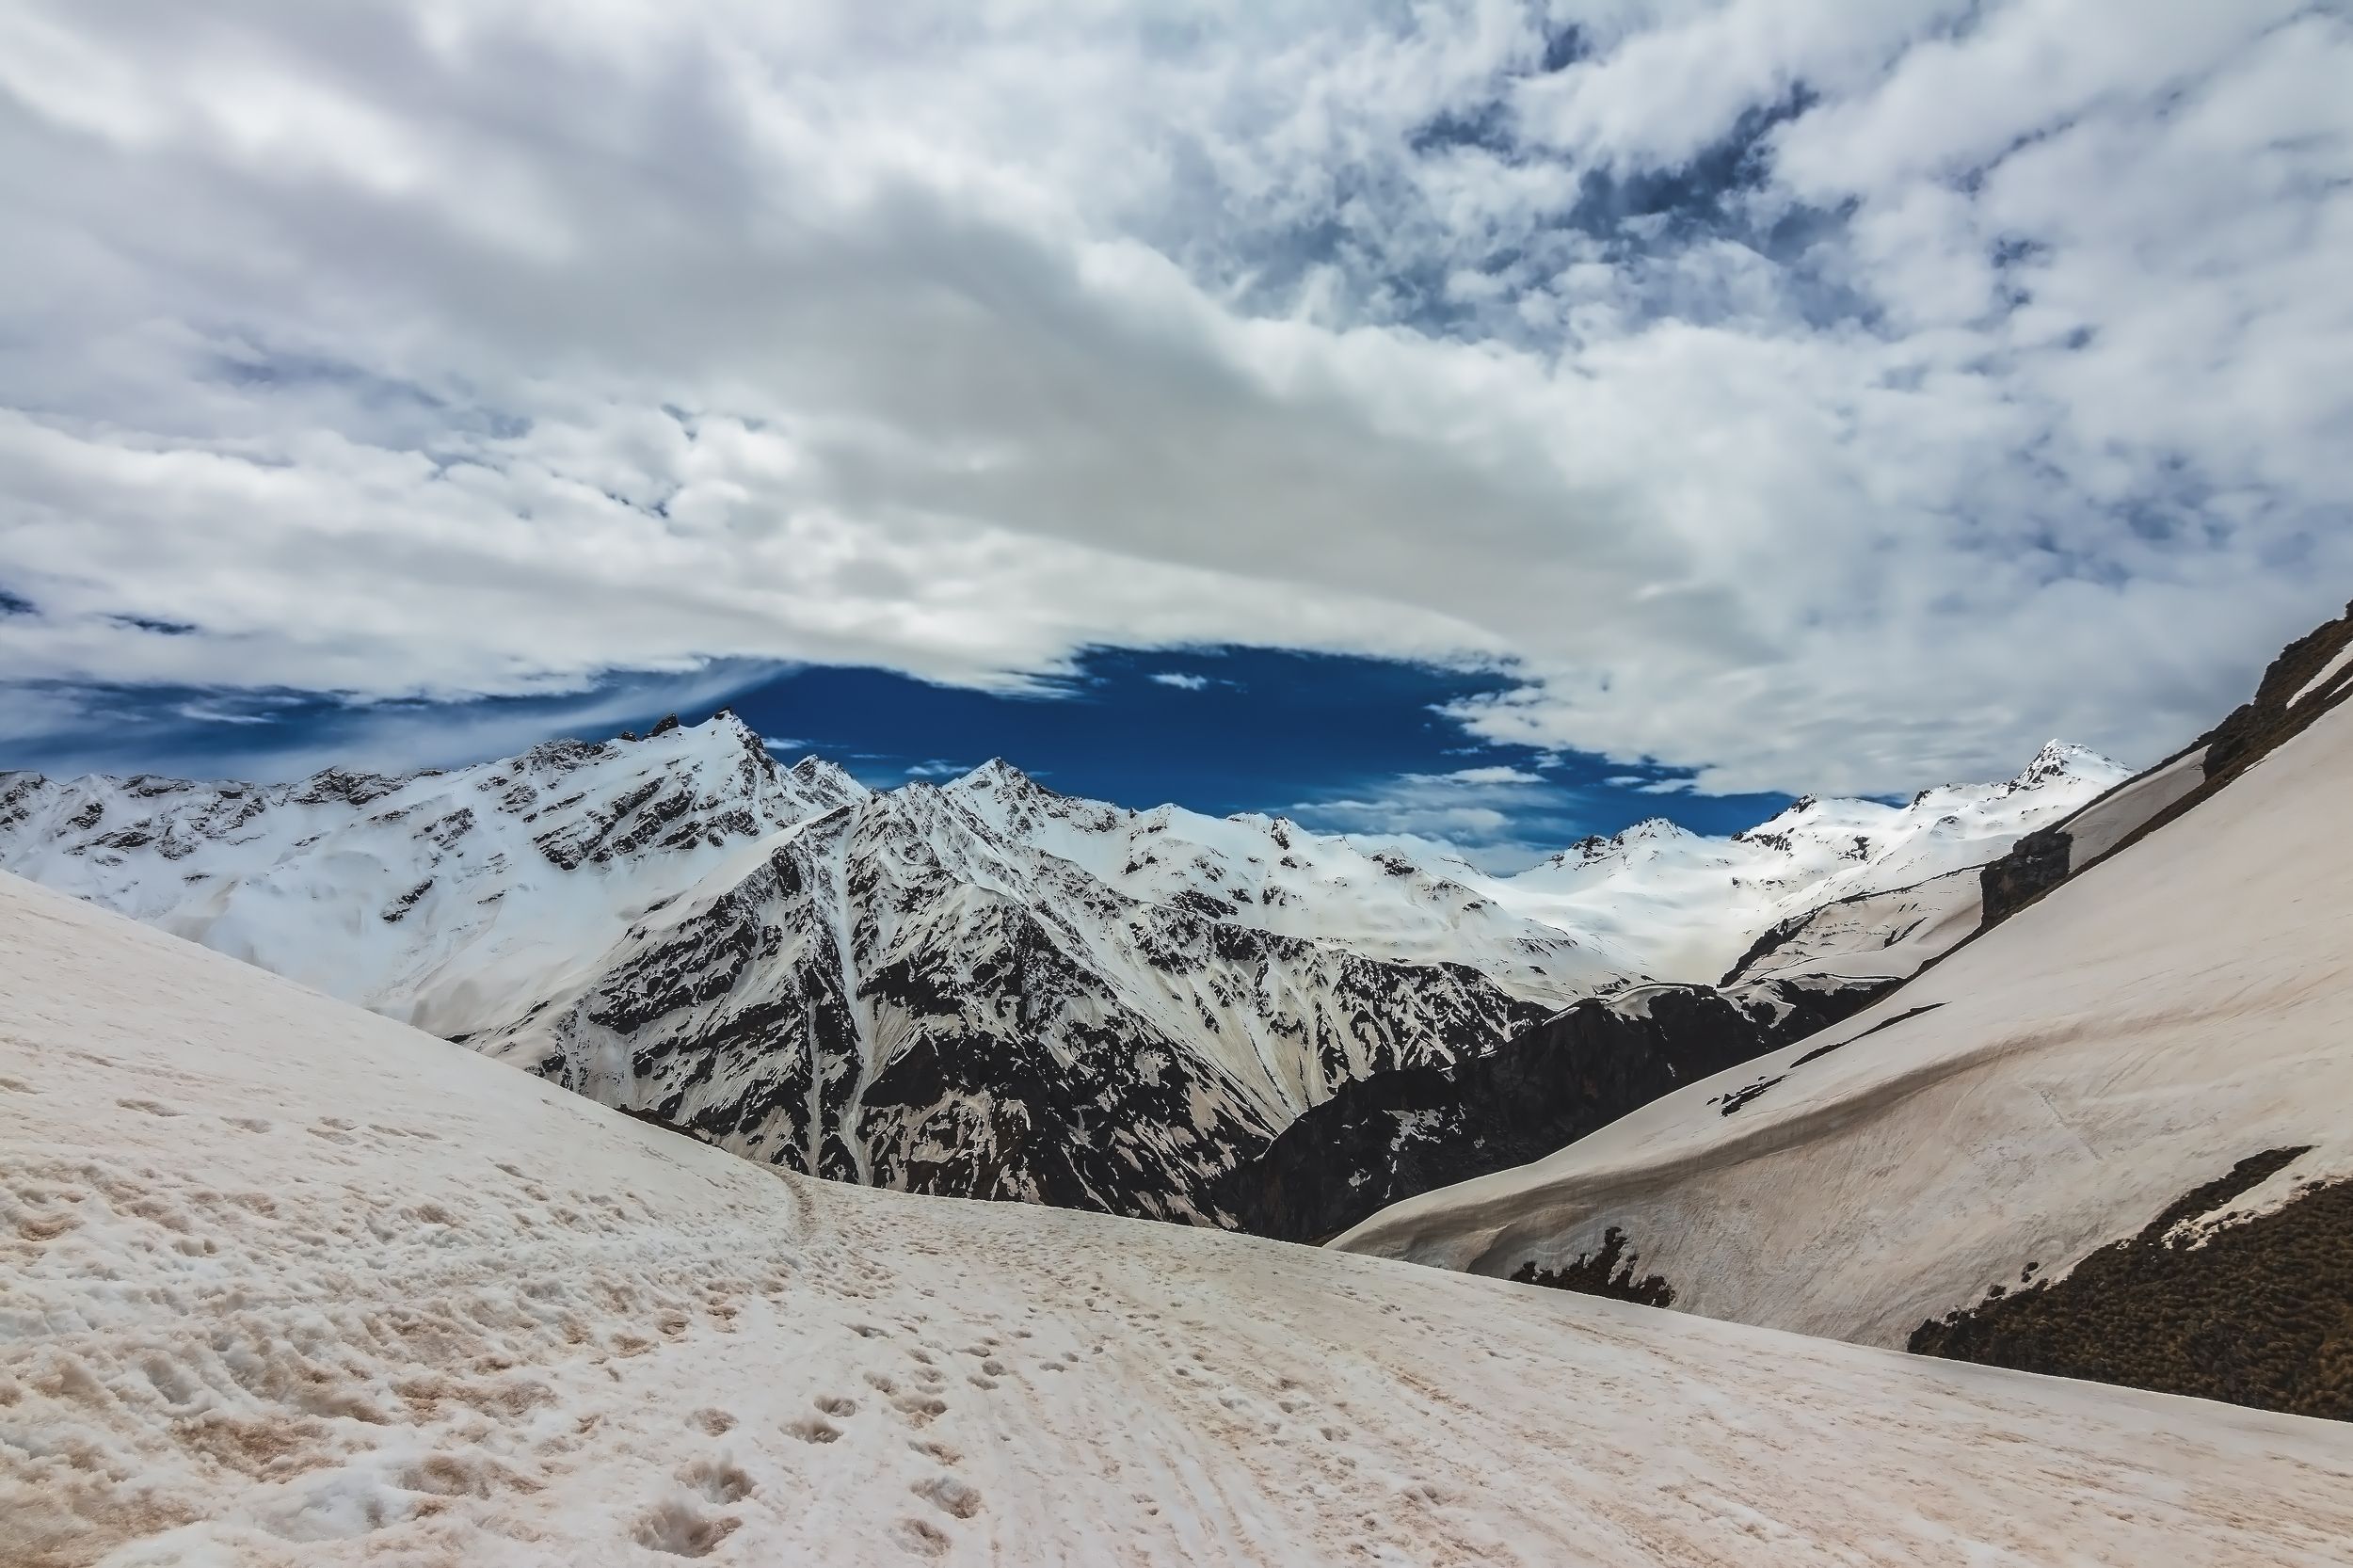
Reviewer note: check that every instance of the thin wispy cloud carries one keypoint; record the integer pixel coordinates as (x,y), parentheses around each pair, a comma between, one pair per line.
(207,714)
(1499,818)
(1819,394)
(1489,776)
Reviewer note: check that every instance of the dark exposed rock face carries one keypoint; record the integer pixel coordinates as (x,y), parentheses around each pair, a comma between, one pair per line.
(2258,1313)
(2034,865)
(1394,1134)
(1608,1272)
(2273,716)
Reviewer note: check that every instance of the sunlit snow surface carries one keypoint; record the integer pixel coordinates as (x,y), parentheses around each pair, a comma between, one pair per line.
(282,1282)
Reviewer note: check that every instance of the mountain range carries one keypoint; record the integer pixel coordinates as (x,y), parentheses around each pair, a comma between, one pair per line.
(981,989)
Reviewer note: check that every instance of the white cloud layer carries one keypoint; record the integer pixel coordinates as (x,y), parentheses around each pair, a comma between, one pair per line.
(1830,394)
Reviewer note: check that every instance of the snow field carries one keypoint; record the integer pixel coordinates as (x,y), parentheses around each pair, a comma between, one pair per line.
(283,1282)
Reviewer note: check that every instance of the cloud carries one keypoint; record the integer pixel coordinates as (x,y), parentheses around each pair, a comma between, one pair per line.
(204,712)
(1488,775)
(212,734)
(1181,681)
(1821,393)
(1499,819)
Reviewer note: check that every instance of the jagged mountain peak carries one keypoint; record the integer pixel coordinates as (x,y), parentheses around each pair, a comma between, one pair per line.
(348,786)
(1002,780)
(1595,849)
(2065,759)
(638,800)
(994,774)
(1797,810)
(1591,847)
(814,772)
(675,922)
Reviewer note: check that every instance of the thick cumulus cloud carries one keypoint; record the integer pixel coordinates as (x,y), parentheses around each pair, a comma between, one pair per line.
(1819,393)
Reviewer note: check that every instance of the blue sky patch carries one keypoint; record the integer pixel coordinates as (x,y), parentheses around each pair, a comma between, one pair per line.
(1340,744)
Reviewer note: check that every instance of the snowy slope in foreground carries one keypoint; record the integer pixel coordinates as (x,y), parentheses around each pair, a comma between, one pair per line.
(286,1283)
(2049,1088)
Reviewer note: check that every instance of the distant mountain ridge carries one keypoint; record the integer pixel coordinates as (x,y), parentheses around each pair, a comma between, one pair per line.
(1690,905)
(981,988)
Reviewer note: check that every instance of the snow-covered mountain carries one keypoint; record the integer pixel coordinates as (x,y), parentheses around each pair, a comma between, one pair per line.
(983,988)
(986,988)
(2109,1137)
(1270,874)
(437,898)
(369,887)
(1690,905)
(905,991)
(287,1284)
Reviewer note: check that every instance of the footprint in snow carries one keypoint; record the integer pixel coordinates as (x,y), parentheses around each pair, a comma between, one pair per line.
(921,1537)
(679,1530)
(716,1480)
(919,1409)
(950,1495)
